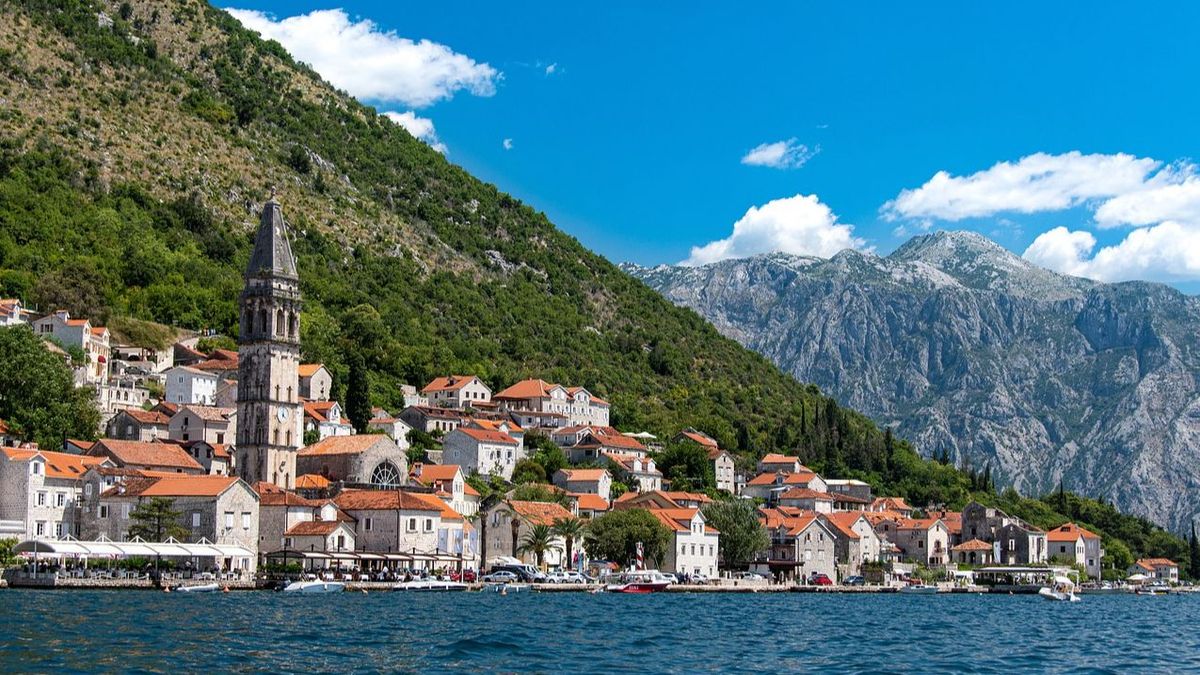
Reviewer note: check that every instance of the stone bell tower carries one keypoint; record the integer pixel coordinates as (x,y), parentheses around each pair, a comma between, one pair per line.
(269,414)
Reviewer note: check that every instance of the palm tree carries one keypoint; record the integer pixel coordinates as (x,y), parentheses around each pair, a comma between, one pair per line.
(570,529)
(539,540)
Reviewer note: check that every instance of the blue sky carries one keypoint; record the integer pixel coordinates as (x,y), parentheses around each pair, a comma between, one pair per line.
(639,140)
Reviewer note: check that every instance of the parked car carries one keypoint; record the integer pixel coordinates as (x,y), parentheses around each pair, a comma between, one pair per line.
(698,578)
(856,580)
(573,577)
(467,576)
(820,580)
(501,577)
(525,573)
(751,576)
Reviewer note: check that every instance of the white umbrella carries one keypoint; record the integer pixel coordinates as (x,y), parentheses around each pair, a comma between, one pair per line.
(1136,577)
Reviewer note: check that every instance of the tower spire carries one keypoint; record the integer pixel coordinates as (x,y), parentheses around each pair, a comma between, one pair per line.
(272,255)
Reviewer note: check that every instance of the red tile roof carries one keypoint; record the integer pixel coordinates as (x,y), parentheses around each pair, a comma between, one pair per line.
(147,417)
(311,481)
(313,528)
(386,500)
(584,474)
(528,389)
(590,502)
(1153,563)
(58,464)
(1069,532)
(142,453)
(973,545)
(488,436)
(270,494)
(619,441)
(539,513)
(805,493)
(430,473)
(174,486)
(451,383)
(343,445)
(309,369)
(843,521)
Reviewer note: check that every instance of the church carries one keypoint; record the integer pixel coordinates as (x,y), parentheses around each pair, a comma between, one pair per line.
(270,409)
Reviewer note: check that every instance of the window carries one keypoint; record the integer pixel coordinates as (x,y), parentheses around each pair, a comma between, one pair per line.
(367,523)
(245,520)
(58,530)
(195,519)
(220,438)
(40,528)
(429,524)
(229,520)
(103,511)
(386,475)
(341,541)
(87,490)
(125,510)
(287,542)
(412,525)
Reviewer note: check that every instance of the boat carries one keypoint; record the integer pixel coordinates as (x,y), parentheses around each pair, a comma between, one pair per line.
(430,585)
(505,588)
(317,586)
(1149,590)
(639,581)
(919,589)
(1063,590)
(199,588)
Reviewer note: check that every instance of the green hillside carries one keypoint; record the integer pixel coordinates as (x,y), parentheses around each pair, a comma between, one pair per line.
(134,157)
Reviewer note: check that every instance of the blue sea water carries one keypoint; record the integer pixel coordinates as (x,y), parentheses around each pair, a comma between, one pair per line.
(78,631)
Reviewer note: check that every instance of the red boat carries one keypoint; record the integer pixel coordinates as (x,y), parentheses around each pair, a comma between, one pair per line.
(639,581)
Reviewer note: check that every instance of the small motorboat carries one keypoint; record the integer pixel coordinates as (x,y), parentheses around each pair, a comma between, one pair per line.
(430,585)
(639,581)
(315,586)
(919,589)
(199,588)
(504,588)
(1149,590)
(1063,590)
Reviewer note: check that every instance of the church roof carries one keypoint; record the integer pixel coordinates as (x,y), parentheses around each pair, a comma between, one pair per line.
(272,252)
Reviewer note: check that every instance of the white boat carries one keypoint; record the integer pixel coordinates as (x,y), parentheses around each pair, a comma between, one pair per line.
(919,589)
(639,581)
(317,586)
(506,588)
(1063,590)
(428,585)
(200,588)
(1147,590)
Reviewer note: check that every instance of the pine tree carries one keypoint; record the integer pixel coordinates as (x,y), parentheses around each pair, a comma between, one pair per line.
(358,394)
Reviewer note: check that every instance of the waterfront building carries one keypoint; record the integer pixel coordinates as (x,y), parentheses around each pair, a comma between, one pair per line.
(1073,544)
(1158,569)
(801,545)
(508,522)
(1019,542)
(973,552)
(40,491)
(694,544)
(855,540)
(401,521)
(361,459)
(449,483)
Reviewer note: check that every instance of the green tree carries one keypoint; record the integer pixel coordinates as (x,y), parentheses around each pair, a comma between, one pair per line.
(570,529)
(157,520)
(742,534)
(540,492)
(213,342)
(687,466)
(528,471)
(538,540)
(38,397)
(614,536)
(8,556)
(1195,554)
(358,394)
(311,436)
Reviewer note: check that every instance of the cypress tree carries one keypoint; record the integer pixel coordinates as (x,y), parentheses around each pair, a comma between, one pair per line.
(358,394)
(1195,553)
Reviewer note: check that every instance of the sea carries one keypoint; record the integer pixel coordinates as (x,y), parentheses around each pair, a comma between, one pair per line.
(142,631)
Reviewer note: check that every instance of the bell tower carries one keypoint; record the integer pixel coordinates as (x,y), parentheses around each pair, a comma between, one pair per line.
(269,414)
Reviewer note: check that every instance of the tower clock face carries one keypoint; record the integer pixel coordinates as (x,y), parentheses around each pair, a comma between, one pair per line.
(282,414)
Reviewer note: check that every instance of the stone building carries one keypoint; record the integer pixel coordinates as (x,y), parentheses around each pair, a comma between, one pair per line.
(41,490)
(401,521)
(268,397)
(1020,542)
(362,459)
(143,456)
(210,424)
(316,383)
(138,425)
(508,523)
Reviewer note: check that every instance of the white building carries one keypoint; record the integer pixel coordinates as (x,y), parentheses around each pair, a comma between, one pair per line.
(316,383)
(40,490)
(694,546)
(94,341)
(395,520)
(457,391)
(186,384)
(1072,543)
(481,451)
(394,427)
(643,471)
(325,418)
(448,483)
(585,482)
(12,313)
(578,405)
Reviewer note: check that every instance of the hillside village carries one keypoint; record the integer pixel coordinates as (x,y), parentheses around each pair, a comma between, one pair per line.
(258,461)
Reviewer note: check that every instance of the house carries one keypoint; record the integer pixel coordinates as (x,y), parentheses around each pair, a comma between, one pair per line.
(410,522)
(316,383)
(433,420)
(776,463)
(594,446)
(896,504)
(320,535)
(457,391)
(221,362)
(585,481)
(953,521)
(40,491)
(186,384)
(412,397)
(1160,570)
(144,456)
(767,485)
(925,541)
(210,424)
(1075,545)
(148,359)
(509,522)
(503,425)
(855,540)
(589,505)
(859,490)
(694,544)
(361,459)
(13,313)
(279,510)
(220,509)
(724,470)
(644,475)
(138,425)
(973,552)
(449,483)
(565,437)
(575,405)
(393,427)
(692,435)
(801,545)
(481,451)
(806,499)
(183,354)
(661,499)
(120,393)
(324,418)
(1020,542)
(94,341)
(214,457)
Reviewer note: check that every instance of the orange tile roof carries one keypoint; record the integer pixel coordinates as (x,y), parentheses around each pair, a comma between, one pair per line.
(343,445)
(590,502)
(145,453)
(606,441)
(386,500)
(699,437)
(918,523)
(188,486)
(679,496)
(1153,563)
(495,425)
(594,398)
(217,365)
(452,383)
(313,528)
(428,473)
(58,464)
(1069,532)
(270,494)
(528,389)
(311,481)
(209,413)
(584,474)
(147,416)
(447,512)
(539,513)
(777,458)
(318,410)
(891,504)
(973,545)
(844,521)
(309,369)
(805,493)
(488,436)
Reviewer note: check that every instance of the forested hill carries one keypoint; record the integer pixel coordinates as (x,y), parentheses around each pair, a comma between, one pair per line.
(138,148)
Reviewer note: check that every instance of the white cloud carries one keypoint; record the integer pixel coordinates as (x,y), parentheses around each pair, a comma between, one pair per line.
(1172,194)
(1169,251)
(551,69)
(371,63)
(420,127)
(789,154)
(507,143)
(800,225)
(1036,183)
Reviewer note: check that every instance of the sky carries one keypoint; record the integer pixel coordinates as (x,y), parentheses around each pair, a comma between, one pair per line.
(670,132)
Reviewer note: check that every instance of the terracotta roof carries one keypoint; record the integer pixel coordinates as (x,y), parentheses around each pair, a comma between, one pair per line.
(539,513)
(768,478)
(309,369)
(1152,563)
(606,441)
(311,481)
(891,504)
(778,458)
(318,410)
(590,502)
(145,453)
(147,416)
(495,425)
(594,398)
(467,489)
(385,500)
(851,499)
(270,494)
(209,413)
(973,545)
(344,445)
(843,521)
(452,383)
(184,486)
(195,371)
(1069,532)
(805,493)
(918,523)
(448,513)
(217,365)
(529,389)
(313,528)
(99,330)
(628,460)
(429,473)
(487,436)
(58,464)
(584,474)
(679,496)
(699,437)
(680,519)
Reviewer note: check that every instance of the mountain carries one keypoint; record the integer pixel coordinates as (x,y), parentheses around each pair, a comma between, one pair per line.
(973,352)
